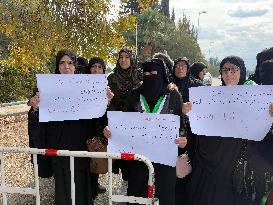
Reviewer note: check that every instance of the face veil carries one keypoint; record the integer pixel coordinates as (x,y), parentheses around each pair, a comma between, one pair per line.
(154,85)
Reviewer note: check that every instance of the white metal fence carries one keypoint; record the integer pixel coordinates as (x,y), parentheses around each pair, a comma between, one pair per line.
(4,189)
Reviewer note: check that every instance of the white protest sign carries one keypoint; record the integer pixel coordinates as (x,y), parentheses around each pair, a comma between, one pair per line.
(71,96)
(231,111)
(148,134)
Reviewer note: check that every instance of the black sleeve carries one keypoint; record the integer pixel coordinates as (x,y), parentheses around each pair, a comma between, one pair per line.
(185,129)
(99,124)
(36,130)
(265,146)
(132,100)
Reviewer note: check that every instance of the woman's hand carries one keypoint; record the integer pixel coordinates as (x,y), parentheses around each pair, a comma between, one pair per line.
(34,101)
(109,95)
(186,107)
(107,132)
(181,141)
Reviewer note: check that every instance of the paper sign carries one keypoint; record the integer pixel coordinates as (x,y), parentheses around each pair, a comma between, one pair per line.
(148,134)
(71,96)
(231,111)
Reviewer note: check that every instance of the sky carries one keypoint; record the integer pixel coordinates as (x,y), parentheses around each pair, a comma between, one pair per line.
(230,27)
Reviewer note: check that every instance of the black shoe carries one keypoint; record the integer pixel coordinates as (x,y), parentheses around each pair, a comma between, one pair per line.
(101,189)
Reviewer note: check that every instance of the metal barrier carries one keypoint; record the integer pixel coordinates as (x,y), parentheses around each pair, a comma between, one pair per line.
(72,154)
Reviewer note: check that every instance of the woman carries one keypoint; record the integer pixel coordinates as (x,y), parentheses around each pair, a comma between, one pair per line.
(262,152)
(216,159)
(97,66)
(69,135)
(198,71)
(122,81)
(37,138)
(265,55)
(182,79)
(156,79)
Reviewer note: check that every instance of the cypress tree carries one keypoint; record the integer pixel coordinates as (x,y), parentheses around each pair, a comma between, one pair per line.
(165,7)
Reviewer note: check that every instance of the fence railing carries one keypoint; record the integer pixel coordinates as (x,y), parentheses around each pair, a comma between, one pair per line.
(4,189)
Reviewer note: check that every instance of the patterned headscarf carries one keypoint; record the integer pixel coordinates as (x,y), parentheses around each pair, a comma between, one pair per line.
(126,79)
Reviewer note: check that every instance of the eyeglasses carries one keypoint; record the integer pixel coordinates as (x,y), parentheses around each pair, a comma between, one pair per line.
(232,70)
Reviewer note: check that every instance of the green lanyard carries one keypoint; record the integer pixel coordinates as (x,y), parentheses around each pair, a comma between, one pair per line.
(158,105)
(265,198)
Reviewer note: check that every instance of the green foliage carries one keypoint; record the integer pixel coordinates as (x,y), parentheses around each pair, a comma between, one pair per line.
(131,6)
(165,7)
(16,84)
(4,44)
(37,28)
(184,26)
(157,33)
(32,31)
(214,66)
(173,15)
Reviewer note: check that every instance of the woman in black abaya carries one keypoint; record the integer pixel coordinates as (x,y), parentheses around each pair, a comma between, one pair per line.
(216,177)
(155,87)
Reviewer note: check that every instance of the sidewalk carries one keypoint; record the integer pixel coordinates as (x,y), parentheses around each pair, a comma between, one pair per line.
(14,110)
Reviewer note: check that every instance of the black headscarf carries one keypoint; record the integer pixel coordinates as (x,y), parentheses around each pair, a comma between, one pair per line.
(235,60)
(95,60)
(63,53)
(266,73)
(166,58)
(196,68)
(266,54)
(182,83)
(126,79)
(82,65)
(154,85)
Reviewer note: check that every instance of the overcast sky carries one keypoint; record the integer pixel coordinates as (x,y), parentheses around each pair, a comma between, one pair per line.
(238,27)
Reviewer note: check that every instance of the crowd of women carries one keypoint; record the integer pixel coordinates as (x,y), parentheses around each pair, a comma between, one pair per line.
(226,171)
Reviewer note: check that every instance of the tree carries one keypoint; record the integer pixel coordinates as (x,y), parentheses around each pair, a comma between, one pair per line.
(165,7)
(173,15)
(146,4)
(135,7)
(184,25)
(157,33)
(36,29)
(213,66)
(4,45)
(32,31)
(131,6)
